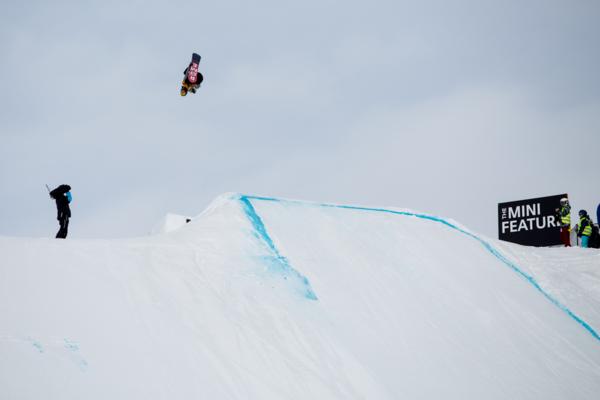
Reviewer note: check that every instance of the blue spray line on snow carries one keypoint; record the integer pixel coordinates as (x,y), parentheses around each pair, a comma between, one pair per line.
(495,252)
(281,263)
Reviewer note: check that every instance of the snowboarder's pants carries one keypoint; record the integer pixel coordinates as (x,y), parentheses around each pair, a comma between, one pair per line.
(565,236)
(64,228)
(189,85)
(585,240)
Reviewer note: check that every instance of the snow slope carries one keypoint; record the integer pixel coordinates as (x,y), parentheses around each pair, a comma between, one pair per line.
(261,298)
(169,223)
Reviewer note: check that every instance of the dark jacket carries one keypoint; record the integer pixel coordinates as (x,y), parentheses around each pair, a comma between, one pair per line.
(62,203)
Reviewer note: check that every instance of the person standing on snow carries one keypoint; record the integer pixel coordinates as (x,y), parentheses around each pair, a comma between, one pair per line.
(585,228)
(62,195)
(598,214)
(564,217)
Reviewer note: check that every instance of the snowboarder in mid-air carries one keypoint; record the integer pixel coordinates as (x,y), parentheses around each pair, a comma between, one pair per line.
(62,195)
(192,78)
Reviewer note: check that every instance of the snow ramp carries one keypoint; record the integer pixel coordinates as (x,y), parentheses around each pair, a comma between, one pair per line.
(262,298)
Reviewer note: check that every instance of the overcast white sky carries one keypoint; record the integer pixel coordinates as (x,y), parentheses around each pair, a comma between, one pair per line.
(446,107)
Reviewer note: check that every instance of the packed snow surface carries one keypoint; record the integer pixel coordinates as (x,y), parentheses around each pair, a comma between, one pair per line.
(261,298)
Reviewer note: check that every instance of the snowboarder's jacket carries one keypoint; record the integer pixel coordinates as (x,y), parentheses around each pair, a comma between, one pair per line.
(62,196)
(585,226)
(565,215)
(187,83)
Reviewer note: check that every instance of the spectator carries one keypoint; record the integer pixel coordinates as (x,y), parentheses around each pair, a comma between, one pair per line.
(564,217)
(585,228)
(62,195)
(598,214)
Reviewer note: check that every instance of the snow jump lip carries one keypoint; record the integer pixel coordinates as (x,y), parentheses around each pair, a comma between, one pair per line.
(282,263)
(262,234)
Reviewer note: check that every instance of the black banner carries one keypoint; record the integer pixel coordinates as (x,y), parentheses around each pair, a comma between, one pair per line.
(531,222)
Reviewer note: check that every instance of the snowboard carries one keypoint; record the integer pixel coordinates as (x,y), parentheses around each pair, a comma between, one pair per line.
(192,74)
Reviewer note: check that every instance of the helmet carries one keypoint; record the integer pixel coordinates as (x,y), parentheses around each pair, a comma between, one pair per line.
(582,213)
(564,201)
(183,91)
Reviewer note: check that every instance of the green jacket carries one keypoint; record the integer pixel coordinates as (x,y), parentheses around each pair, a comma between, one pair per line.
(585,226)
(565,215)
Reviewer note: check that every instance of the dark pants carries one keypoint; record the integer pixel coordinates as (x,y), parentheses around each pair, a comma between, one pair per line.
(64,228)
(565,236)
